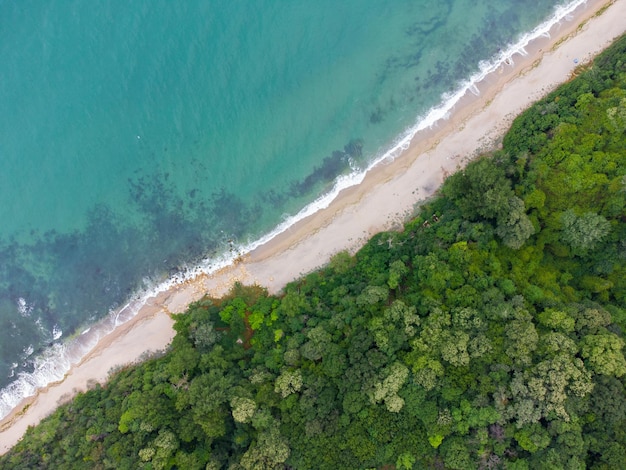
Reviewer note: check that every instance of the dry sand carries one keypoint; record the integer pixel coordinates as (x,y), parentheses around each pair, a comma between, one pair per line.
(386,197)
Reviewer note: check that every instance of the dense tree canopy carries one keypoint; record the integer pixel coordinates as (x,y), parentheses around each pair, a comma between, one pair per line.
(490,337)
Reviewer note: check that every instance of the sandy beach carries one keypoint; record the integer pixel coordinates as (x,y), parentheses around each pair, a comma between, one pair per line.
(386,197)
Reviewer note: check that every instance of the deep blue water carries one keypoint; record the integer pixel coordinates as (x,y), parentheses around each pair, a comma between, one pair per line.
(138,137)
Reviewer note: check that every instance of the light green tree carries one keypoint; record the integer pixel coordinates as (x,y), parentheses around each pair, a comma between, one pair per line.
(269,452)
(243,409)
(405,461)
(372,295)
(583,232)
(387,390)
(604,353)
(288,382)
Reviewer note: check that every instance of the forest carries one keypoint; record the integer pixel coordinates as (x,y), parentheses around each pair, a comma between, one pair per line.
(487,334)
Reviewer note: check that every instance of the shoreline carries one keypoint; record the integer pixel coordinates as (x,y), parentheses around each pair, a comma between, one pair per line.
(385,197)
(428,143)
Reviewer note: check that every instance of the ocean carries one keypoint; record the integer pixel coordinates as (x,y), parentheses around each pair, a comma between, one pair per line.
(140,141)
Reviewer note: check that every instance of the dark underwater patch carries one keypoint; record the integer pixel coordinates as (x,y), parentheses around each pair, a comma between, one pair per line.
(71,279)
(333,166)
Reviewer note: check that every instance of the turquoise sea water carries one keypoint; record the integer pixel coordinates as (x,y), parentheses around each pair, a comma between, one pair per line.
(140,137)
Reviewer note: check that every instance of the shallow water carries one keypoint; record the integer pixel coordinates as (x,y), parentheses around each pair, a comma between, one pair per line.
(141,137)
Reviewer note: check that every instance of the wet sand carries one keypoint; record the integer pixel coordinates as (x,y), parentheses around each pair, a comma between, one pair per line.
(386,197)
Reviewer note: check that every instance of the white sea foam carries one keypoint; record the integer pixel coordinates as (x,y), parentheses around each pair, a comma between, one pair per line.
(56,332)
(28,350)
(24,307)
(55,362)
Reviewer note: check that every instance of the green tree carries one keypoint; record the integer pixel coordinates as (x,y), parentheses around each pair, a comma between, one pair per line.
(514,227)
(480,190)
(533,438)
(397,271)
